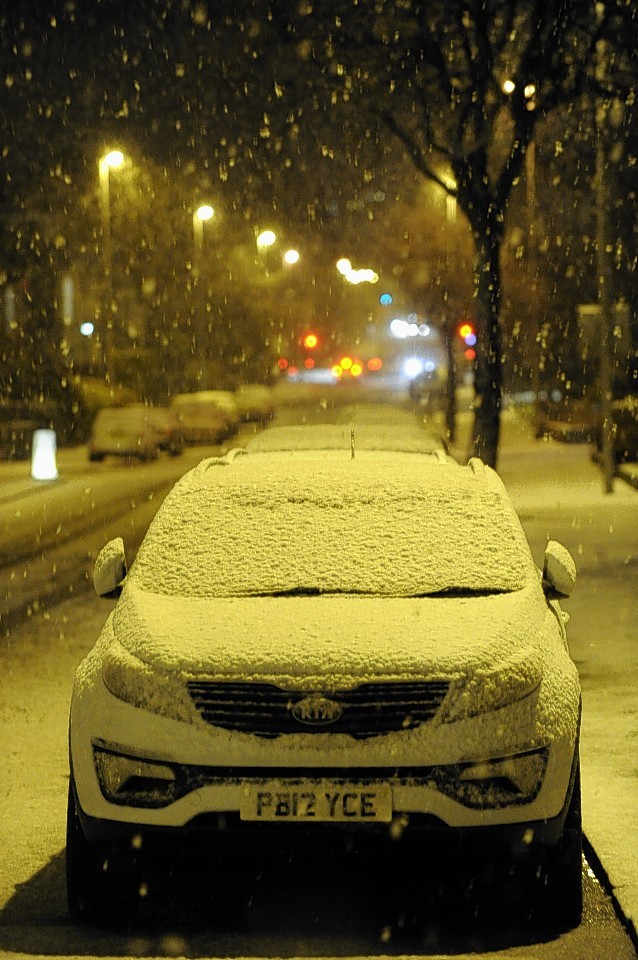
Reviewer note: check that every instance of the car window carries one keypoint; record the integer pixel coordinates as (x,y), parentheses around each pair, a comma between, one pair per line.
(332,526)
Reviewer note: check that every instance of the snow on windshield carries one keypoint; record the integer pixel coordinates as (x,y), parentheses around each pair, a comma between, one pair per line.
(394,526)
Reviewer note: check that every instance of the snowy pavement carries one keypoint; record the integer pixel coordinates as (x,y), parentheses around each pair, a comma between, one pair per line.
(548,480)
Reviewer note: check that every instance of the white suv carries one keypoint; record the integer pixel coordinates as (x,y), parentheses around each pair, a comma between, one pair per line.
(349,640)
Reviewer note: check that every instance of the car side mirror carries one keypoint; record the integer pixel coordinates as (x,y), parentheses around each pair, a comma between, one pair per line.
(110,569)
(559,571)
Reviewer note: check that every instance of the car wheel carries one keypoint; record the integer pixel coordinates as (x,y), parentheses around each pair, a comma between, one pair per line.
(557,877)
(97,892)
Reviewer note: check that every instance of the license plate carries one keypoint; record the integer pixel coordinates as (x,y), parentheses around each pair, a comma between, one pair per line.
(318,802)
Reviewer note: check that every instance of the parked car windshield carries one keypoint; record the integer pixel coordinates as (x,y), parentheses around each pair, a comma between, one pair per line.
(333,527)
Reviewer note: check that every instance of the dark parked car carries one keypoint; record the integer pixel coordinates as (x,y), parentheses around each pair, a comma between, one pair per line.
(18,422)
(624,414)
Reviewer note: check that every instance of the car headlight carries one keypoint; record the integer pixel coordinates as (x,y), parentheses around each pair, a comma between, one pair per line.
(502,782)
(133,681)
(487,690)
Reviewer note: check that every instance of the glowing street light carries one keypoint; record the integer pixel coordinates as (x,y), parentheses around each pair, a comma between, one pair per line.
(200,216)
(291,257)
(266,239)
(347,271)
(110,161)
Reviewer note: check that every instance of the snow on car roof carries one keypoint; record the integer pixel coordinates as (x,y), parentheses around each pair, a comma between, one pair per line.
(328,436)
(386,524)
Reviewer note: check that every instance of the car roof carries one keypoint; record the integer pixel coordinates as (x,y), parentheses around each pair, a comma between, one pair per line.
(363,436)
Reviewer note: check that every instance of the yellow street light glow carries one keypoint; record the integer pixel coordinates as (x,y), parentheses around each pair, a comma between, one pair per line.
(368,276)
(205,212)
(356,370)
(509,86)
(291,256)
(266,239)
(347,271)
(346,363)
(337,370)
(114,158)
(529,90)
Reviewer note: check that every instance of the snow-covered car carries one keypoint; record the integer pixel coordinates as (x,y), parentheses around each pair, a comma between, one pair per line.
(203,418)
(124,432)
(406,437)
(361,645)
(255,401)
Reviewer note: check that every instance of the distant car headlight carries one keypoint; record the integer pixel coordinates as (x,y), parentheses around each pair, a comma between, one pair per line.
(487,690)
(496,783)
(133,681)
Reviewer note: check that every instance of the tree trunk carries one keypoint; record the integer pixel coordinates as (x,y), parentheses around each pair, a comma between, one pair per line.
(488,374)
(450,393)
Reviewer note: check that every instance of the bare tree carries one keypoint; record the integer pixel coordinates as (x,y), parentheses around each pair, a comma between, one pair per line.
(462,84)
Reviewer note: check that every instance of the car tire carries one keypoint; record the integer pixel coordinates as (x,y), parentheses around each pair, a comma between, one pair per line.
(97,894)
(557,889)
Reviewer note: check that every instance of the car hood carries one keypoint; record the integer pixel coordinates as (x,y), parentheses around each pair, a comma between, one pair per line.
(336,641)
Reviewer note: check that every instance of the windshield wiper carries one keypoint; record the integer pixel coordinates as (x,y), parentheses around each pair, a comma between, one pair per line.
(455,592)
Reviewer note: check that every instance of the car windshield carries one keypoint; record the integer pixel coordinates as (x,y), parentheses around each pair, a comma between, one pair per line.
(332,526)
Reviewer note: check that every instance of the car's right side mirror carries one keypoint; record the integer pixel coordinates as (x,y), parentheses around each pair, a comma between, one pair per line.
(559,570)
(110,569)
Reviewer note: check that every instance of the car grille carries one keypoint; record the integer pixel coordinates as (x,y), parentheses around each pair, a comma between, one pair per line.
(369,710)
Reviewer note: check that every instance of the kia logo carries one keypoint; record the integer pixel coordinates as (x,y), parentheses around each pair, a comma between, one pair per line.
(316,710)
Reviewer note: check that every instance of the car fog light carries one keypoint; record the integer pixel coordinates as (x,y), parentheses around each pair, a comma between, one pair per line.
(134,782)
(498,783)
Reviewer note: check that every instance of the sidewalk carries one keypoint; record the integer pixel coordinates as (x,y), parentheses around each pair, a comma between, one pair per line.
(561,483)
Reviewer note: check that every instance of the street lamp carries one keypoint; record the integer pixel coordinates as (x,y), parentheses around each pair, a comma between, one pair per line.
(266,239)
(110,161)
(201,216)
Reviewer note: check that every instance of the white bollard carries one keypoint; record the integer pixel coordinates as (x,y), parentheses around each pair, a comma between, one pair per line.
(43,465)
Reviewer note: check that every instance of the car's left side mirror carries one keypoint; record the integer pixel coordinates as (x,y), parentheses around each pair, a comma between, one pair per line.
(110,569)
(559,571)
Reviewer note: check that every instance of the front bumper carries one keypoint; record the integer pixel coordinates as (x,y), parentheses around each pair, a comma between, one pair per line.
(217,764)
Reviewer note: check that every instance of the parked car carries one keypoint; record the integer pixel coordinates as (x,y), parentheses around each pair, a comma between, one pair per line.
(168,428)
(255,402)
(624,414)
(206,416)
(134,431)
(428,389)
(18,422)
(565,417)
(407,437)
(356,647)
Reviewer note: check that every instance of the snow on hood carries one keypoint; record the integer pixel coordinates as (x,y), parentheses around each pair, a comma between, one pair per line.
(335,641)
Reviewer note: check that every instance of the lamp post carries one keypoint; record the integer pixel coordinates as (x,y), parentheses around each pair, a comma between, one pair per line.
(110,161)
(203,213)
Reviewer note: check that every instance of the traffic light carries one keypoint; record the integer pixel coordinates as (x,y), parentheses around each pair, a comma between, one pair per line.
(310,341)
(467,332)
